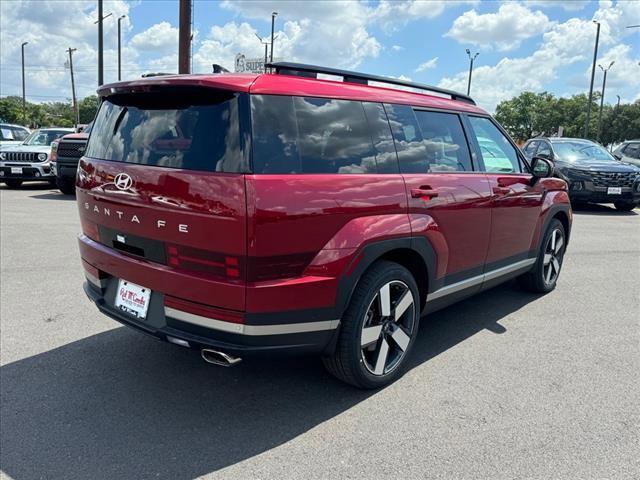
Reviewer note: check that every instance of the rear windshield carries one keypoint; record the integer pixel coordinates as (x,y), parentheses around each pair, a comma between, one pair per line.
(194,130)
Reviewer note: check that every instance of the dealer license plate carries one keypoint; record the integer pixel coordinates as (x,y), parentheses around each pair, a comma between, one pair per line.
(17,170)
(133,299)
(614,190)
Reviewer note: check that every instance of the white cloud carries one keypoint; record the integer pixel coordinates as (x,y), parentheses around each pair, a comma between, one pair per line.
(428,65)
(504,29)
(161,38)
(568,5)
(563,45)
(623,77)
(51,27)
(393,14)
(397,48)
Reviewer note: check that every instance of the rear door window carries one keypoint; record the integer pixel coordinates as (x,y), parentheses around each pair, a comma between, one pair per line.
(184,130)
(446,145)
(412,153)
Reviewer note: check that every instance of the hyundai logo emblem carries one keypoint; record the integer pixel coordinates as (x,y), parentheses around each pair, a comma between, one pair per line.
(123,181)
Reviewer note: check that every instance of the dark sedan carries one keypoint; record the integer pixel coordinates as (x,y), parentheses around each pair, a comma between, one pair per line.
(593,174)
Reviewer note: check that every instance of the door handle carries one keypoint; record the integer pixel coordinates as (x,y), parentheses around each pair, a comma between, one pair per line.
(425,193)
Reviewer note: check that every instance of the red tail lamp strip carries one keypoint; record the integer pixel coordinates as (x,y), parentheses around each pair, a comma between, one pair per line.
(204,261)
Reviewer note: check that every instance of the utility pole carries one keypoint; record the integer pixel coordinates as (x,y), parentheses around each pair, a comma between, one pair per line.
(273,22)
(471,60)
(184,40)
(604,84)
(120,48)
(593,74)
(100,43)
(24,101)
(73,86)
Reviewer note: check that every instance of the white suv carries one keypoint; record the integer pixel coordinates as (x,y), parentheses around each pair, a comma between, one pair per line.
(30,160)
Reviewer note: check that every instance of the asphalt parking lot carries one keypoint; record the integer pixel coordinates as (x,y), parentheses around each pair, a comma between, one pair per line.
(503,385)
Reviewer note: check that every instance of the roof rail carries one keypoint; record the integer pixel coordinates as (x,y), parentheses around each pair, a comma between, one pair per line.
(312,71)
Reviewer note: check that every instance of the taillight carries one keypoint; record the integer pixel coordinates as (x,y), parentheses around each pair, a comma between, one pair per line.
(53,156)
(205,262)
(90,229)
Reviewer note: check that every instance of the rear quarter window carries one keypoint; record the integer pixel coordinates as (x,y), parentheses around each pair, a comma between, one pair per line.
(319,135)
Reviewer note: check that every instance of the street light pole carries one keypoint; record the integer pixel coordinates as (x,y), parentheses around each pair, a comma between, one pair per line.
(73,85)
(24,101)
(593,74)
(119,48)
(471,60)
(273,22)
(604,84)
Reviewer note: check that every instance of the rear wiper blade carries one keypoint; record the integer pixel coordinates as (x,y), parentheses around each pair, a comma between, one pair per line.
(121,115)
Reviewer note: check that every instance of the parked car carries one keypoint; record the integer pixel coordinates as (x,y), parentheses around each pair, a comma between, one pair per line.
(12,134)
(305,216)
(593,174)
(628,152)
(30,160)
(65,153)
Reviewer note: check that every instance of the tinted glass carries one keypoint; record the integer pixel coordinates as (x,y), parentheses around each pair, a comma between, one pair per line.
(632,150)
(446,145)
(544,150)
(186,130)
(582,150)
(386,158)
(412,153)
(19,134)
(44,137)
(333,136)
(530,149)
(275,135)
(497,152)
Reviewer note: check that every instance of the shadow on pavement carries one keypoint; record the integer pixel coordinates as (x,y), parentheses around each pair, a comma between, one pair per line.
(53,196)
(121,405)
(29,186)
(599,209)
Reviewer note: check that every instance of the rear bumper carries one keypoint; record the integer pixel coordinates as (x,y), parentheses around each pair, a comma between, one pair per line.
(30,171)
(162,324)
(181,307)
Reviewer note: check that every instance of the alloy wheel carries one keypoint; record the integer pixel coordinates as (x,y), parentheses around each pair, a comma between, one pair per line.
(387,328)
(553,257)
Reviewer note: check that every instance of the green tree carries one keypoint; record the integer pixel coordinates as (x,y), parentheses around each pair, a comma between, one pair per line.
(88,107)
(11,110)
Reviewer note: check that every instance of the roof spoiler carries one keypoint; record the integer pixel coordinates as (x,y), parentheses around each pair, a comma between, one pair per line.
(312,71)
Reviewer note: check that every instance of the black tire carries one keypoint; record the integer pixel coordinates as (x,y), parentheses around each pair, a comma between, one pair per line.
(350,362)
(11,183)
(66,185)
(53,182)
(536,279)
(625,206)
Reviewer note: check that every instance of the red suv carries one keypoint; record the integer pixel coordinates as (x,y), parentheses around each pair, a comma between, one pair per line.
(239,214)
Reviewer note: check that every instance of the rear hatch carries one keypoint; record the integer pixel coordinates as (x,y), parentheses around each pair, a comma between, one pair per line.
(162,182)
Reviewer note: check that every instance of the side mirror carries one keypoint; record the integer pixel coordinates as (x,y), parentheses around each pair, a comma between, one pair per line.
(617,156)
(541,167)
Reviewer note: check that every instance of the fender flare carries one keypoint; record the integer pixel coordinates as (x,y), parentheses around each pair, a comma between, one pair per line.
(371,252)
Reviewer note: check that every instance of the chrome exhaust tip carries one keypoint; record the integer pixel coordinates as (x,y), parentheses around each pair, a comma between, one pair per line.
(219,358)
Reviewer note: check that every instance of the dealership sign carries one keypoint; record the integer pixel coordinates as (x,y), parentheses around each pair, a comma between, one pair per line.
(253,65)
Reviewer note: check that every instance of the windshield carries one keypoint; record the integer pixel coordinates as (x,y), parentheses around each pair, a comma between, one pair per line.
(571,151)
(44,137)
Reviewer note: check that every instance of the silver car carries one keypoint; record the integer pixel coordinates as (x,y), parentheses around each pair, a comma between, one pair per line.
(628,152)
(30,160)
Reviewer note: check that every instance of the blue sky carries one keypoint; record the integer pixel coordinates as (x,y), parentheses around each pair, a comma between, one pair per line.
(526,45)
